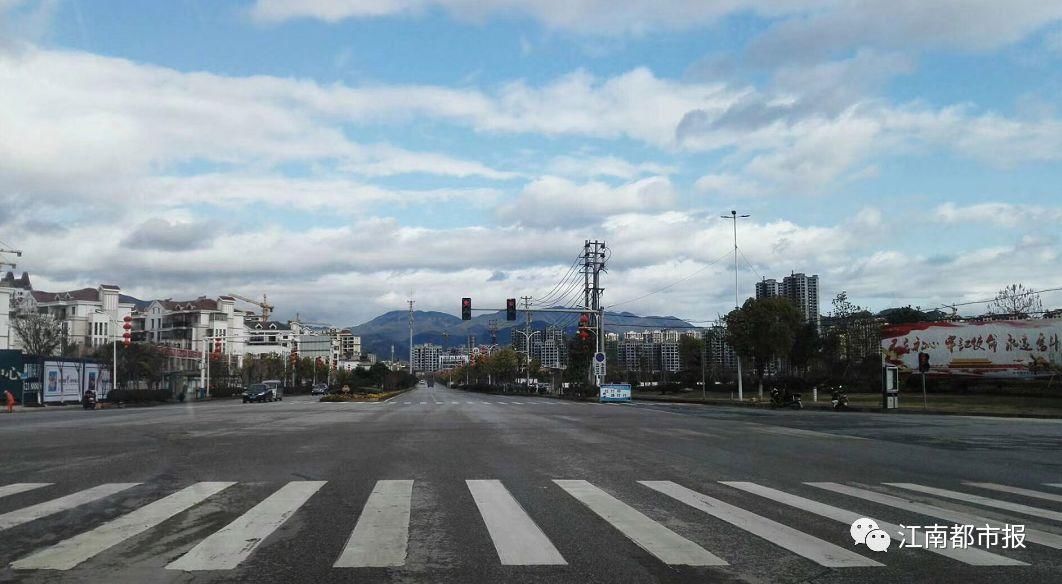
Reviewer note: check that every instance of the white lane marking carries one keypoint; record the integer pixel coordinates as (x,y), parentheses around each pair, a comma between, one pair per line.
(518,403)
(502,403)
(821,552)
(27,514)
(381,535)
(979,500)
(668,546)
(970,556)
(71,552)
(1052,540)
(225,549)
(470,403)
(15,488)
(488,403)
(694,433)
(1059,485)
(1017,491)
(455,403)
(518,540)
(407,403)
(423,403)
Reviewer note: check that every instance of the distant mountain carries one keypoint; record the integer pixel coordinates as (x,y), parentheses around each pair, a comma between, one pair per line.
(392,328)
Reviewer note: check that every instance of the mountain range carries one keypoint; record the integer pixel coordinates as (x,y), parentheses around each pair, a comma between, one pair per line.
(392,328)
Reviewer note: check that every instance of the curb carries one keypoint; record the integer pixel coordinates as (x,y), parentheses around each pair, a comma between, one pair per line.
(765,405)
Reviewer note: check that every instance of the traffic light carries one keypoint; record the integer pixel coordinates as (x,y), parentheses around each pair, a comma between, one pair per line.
(510,309)
(923,362)
(466,309)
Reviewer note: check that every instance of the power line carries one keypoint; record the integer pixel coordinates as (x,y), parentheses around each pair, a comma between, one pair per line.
(676,282)
(564,279)
(994,299)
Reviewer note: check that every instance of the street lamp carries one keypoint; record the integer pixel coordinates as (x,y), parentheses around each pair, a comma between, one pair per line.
(733,216)
(126,335)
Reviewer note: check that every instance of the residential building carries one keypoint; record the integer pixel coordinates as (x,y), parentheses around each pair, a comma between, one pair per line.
(721,356)
(185,328)
(802,290)
(18,288)
(271,337)
(5,318)
(451,361)
(426,357)
(669,356)
(90,317)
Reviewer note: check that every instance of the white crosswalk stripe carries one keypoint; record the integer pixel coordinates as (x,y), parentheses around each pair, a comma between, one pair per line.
(71,552)
(1044,538)
(33,512)
(668,546)
(16,488)
(1018,491)
(225,549)
(518,540)
(821,552)
(381,535)
(971,556)
(979,500)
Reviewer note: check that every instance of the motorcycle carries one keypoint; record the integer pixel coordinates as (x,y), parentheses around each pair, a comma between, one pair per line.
(785,400)
(840,400)
(89,401)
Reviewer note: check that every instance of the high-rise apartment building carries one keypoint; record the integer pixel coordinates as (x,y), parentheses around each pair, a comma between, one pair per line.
(802,290)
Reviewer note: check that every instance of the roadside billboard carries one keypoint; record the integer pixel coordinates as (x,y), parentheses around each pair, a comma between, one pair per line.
(614,392)
(11,373)
(67,380)
(1002,349)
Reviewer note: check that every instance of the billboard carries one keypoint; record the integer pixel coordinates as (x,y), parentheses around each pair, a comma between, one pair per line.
(11,373)
(1004,348)
(613,392)
(67,380)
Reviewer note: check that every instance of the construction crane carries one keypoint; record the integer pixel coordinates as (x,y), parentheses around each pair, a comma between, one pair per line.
(17,252)
(264,304)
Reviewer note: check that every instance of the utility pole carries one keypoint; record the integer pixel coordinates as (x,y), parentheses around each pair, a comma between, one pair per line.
(411,336)
(594,264)
(737,358)
(493,324)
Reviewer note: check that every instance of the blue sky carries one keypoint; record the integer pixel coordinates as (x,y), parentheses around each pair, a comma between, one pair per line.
(340,155)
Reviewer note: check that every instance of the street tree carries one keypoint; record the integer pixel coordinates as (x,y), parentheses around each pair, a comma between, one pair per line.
(691,355)
(763,330)
(1016,300)
(38,334)
(806,346)
(504,365)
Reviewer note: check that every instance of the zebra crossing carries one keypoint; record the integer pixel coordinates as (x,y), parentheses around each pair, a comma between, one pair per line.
(449,402)
(379,535)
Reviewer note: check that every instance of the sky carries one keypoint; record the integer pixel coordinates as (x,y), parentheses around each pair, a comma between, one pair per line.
(343,155)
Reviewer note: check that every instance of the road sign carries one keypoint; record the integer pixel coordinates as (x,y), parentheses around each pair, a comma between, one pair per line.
(616,392)
(599,364)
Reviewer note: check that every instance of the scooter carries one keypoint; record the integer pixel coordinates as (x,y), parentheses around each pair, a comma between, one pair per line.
(89,401)
(840,400)
(786,400)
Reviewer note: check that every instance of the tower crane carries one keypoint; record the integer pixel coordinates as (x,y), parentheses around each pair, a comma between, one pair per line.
(266,307)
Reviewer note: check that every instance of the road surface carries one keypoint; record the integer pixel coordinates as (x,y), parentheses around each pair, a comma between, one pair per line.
(440,485)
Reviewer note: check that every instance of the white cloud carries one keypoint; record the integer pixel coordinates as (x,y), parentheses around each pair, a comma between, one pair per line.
(553,200)
(604,166)
(727,184)
(1002,214)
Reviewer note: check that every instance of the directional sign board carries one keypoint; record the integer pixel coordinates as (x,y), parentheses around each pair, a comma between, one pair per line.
(616,392)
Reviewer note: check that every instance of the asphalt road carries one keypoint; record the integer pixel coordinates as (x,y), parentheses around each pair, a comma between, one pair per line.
(438,485)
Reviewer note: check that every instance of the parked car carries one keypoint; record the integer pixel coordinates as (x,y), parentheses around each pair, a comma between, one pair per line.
(259,392)
(319,389)
(277,386)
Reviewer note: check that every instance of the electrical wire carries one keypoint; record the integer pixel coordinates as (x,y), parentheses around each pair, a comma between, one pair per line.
(676,282)
(549,296)
(749,264)
(994,299)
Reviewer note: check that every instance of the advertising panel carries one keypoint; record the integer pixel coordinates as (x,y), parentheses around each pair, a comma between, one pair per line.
(11,373)
(1005,348)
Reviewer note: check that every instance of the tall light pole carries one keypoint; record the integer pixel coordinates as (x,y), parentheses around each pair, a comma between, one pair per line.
(114,348)
(733,216)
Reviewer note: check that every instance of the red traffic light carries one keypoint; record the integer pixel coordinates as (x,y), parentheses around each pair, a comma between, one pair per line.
(466,309)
